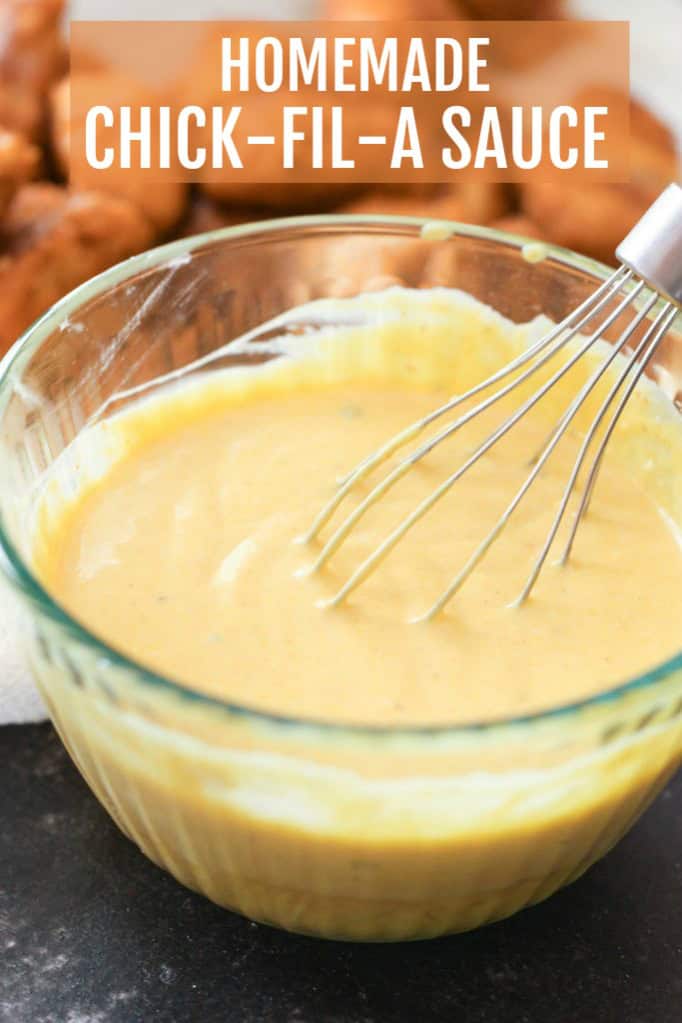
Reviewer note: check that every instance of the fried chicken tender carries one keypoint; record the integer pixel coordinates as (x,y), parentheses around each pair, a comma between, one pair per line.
(653,153)
(594,218)
(517,223)
(19,161)
(352,265)
(347,266)
(588,218)
(471,202)
(205,214)
(60,124)
(270,186)
(32,57)
(51,240)
(162,202)
(450,265)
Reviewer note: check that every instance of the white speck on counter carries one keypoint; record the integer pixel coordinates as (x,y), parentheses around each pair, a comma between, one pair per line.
(166,974)
(36,977)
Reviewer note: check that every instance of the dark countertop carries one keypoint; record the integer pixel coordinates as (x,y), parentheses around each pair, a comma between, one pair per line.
(91,932)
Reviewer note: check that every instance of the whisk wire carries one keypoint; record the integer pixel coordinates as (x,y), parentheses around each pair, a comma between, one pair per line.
(573,323)
(650,256)
(378,555)
(591,433)
(566,419)
(666,318)
(400,470)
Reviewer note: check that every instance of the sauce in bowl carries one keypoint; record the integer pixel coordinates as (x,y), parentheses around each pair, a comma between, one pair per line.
(179,551)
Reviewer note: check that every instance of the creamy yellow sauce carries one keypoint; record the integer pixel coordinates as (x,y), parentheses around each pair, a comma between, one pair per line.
(168,529)
(182,553)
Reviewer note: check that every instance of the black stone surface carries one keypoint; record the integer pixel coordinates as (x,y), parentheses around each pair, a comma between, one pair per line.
(91,932)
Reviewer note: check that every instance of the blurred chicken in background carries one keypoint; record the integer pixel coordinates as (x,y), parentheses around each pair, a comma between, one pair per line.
(53,237)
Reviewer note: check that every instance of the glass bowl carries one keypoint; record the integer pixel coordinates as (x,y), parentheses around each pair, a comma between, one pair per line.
(345,832)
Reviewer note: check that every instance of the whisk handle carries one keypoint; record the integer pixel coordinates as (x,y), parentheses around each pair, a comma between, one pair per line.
(653,249)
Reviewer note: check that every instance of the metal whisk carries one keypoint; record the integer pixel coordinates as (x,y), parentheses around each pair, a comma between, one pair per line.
(651,267)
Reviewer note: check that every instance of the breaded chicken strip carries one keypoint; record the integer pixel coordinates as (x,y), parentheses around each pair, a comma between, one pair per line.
(206,215)
(19,161)
(470,203)
(163,202)
(517,223)
(593,218)
(343,266)
(268,185)
(52,240)
(32,56)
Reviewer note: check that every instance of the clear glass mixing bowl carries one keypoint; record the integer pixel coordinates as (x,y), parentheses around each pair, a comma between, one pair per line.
(345,832)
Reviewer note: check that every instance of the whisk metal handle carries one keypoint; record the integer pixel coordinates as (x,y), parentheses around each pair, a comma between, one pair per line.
(653,249)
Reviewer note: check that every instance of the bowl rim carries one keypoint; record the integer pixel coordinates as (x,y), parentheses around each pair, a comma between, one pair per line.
(20,575)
